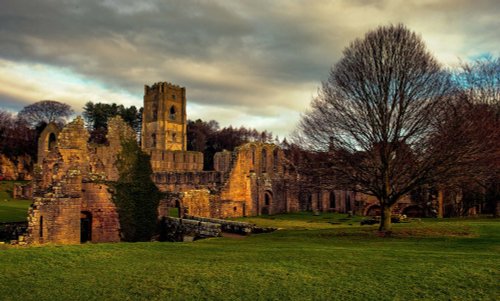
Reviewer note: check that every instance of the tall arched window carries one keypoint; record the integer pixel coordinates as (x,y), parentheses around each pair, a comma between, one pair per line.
(264,160)
(332,199)
(52,141)
(348,203)
(172,113)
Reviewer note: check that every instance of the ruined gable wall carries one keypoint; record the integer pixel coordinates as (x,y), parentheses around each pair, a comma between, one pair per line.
(69,183)
(54,219)
(254,171)
(97,200)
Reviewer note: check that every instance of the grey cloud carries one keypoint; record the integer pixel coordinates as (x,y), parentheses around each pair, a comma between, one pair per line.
(258,51)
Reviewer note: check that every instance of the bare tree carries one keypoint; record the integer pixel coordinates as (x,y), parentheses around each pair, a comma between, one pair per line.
(385,117)
(480,82)
(44,112)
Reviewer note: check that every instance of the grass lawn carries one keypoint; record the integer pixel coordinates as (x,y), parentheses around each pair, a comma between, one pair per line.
(12,210)
(309,259)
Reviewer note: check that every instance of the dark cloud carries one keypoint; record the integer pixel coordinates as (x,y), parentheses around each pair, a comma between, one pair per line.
(255,57)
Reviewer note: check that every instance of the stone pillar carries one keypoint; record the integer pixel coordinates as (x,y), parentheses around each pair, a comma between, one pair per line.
(440,204)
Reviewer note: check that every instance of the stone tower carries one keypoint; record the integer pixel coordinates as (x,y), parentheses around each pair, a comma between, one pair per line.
(164,118)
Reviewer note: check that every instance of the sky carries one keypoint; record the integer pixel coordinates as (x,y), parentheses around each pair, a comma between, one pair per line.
(254,63)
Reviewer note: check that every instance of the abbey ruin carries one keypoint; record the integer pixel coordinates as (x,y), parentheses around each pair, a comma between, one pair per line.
(72,202)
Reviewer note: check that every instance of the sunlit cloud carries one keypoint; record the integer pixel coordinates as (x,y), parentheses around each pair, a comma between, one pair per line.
(241,64)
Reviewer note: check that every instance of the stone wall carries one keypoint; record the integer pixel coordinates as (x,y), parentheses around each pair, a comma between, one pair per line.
(16,168)
(165,161)
(97,201)
(183,181)
(177,229)
(71,202)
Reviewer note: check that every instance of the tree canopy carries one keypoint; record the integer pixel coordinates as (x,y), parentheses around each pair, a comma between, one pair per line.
(97,114)
(44,112)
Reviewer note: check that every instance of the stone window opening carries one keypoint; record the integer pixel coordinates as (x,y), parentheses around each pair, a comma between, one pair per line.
(173,96)
(275,159)
(174,137)
(155,111)
(85,226)
(153,140)
(52,142)
(267,199)
(235,209)
(172,112)
(264,160)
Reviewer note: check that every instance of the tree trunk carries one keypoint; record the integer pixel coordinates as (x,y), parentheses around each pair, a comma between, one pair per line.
(385,219)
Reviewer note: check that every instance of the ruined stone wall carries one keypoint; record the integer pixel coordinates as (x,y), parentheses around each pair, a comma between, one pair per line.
(255,177)
(184,181)
(16,168)
(199,203)
(165,161)
(69,189)
(97,200)
(54,219)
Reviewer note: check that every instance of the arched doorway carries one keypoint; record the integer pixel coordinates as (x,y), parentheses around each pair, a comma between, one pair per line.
(373,210)
(348,203)
(268,200)
(85,226)
(333,201)
(413,211)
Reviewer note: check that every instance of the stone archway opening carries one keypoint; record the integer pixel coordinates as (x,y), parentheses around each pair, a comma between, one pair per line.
(413,211)
(51,143)
(373,210)
(268,200)
(85,226)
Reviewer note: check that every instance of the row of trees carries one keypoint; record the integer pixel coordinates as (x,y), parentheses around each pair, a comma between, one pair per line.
(392,119)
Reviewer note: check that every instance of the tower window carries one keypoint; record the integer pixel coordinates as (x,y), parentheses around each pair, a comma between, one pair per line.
(174,137)
(172,112)
(153,140)
(154,111)
(173,96)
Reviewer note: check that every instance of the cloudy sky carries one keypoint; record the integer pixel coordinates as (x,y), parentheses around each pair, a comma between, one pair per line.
(255,63)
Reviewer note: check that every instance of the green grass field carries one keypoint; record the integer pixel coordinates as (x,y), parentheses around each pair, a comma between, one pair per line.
(308,259)
(12,210)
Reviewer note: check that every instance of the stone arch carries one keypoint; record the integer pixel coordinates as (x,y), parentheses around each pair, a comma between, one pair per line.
(252,150)
(413,211)
(268,201)
(372,210)
(48,140)
(52,141)
(85,226)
